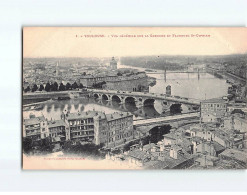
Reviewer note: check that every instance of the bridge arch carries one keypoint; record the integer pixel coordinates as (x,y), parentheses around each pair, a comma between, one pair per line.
(105,97)
(157,132)
(149,102)
(116,98)
(130,100)
(176,108)
(96,96)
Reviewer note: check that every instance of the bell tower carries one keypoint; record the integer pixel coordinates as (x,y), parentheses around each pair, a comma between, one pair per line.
(113,64)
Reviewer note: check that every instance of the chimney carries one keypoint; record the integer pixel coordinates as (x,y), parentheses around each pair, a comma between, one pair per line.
(162,147)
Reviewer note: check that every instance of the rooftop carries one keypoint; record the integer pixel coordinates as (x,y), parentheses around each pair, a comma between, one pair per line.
(56,123)
(117,115)
(84,115)
(214,100)
(33,121)
(138,154)
(235,154)
(169,162)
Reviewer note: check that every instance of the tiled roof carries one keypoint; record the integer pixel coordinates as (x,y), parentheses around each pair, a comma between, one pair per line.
(138,154)
(33,121)
(84,115)
(148,146)
(214,100)
(235,154)
(56,123)
(117,115)
(170,136)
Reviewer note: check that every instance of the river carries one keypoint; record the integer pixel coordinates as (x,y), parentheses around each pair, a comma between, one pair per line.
(190,85)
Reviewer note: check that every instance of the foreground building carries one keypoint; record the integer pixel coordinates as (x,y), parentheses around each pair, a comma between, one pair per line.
(95,127)
(35,128)
(100,128)
(213,110)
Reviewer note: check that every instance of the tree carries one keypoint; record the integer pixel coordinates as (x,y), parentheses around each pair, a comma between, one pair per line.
(68,86)
(61,87)
(55,86)
(27,144)
(47,87)
(88,149)
(41,87)
(46,145)
(35,87)
(156,133)
(74,85)
(80,86)
(27,89)
(99,85)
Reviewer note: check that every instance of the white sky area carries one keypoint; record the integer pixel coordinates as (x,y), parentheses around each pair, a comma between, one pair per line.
(62,41)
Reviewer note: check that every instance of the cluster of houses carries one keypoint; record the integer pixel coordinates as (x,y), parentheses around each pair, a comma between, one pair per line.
(219,141)
(91,127)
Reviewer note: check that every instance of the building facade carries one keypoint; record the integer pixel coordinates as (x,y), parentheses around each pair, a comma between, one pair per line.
(91,127)
(132,83)
(213,110)
(120,128)
(35,128)
(100,128)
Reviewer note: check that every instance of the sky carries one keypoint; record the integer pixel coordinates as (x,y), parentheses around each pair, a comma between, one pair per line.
(71,41)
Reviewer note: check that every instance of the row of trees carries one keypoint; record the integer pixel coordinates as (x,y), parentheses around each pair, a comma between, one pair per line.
(88,149)
(53,87)
(43,145)
(99,85)
(155,135)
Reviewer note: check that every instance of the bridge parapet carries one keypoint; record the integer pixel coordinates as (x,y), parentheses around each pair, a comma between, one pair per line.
(145,95)
(187,116)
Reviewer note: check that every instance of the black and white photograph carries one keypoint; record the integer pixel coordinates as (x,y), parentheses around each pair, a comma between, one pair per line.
(134,98)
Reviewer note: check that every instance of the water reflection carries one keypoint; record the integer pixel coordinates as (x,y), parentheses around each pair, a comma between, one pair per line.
(53,109)
(190,85)
(183,84)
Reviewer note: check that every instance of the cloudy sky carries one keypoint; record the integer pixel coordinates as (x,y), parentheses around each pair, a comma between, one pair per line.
(71,41)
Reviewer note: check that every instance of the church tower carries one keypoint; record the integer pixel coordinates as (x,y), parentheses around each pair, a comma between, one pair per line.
(113,64)
(57,69)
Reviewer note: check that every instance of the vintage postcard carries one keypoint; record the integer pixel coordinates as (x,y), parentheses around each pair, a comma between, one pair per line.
(134,98)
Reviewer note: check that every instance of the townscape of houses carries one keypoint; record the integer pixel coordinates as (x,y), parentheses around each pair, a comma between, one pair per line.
(109,77)
(217,141)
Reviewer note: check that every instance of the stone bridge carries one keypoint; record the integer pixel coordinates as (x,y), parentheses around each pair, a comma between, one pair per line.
(142,98)
(143,126)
